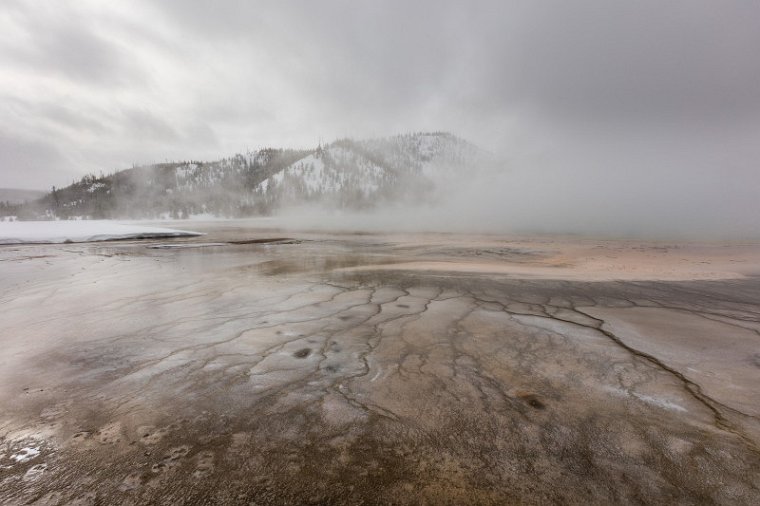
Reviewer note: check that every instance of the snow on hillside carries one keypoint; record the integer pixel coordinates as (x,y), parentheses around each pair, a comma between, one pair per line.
(333,170)
(429,154)
(22,232)
(367,167)
(357,174)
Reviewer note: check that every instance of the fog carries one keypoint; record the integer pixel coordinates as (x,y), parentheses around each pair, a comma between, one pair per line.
(650,205)
(614,118)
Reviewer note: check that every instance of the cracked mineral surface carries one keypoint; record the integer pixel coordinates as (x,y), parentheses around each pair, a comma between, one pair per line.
(247,367)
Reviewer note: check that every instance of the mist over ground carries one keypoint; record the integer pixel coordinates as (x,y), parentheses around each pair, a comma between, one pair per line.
(609,197)
(612,118)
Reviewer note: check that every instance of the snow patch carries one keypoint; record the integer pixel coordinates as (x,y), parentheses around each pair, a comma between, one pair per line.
(25,454)
(649,399)
(22,232)
(95,187)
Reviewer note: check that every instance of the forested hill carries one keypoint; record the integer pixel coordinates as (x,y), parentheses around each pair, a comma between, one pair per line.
(344,174)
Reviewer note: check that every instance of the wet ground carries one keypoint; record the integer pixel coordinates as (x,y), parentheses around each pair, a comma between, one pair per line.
(256,366)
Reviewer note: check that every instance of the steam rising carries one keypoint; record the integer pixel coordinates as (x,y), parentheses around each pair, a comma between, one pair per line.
(517,200)
(616,118)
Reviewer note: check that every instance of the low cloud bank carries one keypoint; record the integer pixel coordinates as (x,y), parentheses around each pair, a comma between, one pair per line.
(643,203)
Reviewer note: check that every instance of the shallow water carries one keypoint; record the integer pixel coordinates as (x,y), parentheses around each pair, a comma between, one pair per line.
(343,369)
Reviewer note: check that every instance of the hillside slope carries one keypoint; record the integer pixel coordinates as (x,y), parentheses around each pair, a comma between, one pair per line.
(344,174)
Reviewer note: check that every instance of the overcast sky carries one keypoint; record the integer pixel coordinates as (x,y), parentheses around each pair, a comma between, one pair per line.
(648,101)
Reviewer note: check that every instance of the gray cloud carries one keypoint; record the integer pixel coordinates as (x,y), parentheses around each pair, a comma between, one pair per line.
(21,159)
(54,42)
(145,125)
(644,61)
(655,102)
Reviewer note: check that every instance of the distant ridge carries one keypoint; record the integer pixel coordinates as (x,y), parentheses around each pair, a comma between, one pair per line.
(346,173)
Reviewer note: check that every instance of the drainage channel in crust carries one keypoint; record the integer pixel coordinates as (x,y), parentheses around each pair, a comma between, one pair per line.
(276,240)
